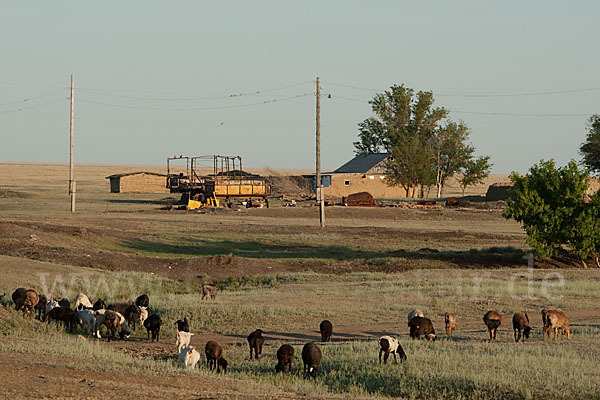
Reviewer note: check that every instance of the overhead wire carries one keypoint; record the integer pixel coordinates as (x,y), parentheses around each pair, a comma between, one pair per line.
(32,107)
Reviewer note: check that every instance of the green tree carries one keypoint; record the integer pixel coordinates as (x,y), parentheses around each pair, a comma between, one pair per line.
(551,205)
(426,147)
(590,149)
(474,172)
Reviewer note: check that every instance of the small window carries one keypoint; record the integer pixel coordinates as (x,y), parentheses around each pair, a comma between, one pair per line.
(346,183)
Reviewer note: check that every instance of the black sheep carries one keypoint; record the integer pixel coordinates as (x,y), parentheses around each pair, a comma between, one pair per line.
(285,356)
(132,315)
(421,326)
(214,356)
(255,341)
(142,301)
(311,357)
(119,307)
(182,326)
(152,324)
(63,314)
(326,329)
(64,302)
(99,305)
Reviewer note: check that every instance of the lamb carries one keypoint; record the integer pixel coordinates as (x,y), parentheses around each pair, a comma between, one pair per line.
(415,313)
(18,297)
(421,326)
(81,302)
(152,324)
(555,320)
(41,306)
(214,356)
(143,314)
(450,320)
(183,340)
(285,356)
(29,302)
(63,314)
(311,358)
(492,320)
(87,317)
(142,301)
(544,313)
(182,326)
(326,329)
(189,357)
(99,305)
(209,292)
(255,341)
(387,345)
(521,323)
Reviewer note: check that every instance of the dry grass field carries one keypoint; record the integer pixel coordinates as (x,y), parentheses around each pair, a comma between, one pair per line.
(278,271)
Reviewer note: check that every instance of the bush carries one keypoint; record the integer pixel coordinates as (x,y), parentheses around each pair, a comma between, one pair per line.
(551,205)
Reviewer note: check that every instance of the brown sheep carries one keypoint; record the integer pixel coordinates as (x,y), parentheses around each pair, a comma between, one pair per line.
(521,323)
(555,320)
(209,292)
(256,341)
(214,356)
(311,357)
(421,326)
(450,320)
(544,313)
(41,306)
(30,301)
(119,307)
(326,329)
(112,322)
(285,356)
(492,320)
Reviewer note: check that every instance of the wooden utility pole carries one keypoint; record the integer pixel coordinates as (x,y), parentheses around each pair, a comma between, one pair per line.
(319,186)
(72,185)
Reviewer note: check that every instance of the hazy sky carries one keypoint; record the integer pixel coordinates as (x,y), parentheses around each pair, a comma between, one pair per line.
(153,78)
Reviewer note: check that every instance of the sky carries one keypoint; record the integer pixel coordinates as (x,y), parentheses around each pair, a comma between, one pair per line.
(160,78)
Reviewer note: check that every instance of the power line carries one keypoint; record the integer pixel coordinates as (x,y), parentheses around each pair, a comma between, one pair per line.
(32,107)
(32,98)
(196,108)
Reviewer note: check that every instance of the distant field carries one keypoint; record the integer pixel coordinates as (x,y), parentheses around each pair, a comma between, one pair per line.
(278,271)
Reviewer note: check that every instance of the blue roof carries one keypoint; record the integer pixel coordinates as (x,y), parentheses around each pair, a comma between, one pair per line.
(362,163)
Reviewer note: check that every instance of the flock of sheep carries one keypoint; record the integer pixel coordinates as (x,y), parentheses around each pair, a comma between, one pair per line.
(120,317)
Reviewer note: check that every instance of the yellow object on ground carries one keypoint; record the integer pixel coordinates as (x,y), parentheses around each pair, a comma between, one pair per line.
(210,202)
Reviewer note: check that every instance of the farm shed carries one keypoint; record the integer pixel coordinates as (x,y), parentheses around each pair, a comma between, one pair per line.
(138,182)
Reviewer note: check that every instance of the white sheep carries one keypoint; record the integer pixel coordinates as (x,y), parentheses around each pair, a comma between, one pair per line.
(183,340)
(143,314)
(189,357)
(87,317)
(81,300)
(415,313)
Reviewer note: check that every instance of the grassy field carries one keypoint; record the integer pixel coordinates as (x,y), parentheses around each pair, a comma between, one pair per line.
(278,271)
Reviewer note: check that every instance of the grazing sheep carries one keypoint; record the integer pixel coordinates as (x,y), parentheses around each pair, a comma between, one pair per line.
(555,320)
(183,340)
(124,331)
(492,320)
(41,307)
(143,301)
(209,292)
(450,320)
(544,313)
(182,326)
(255,341)
(133,314)
(111,321)
(119,307)
(189,357)
(63,314)
(29,303)
(521,323)
(421,326)
(87,317)
(18,297)
(415,313)
(81,302)
(99,305)
(326,329)
(152,324)
(387,345)
(311,357)
(49,306)
(214,356)
(64,302)
(285,356)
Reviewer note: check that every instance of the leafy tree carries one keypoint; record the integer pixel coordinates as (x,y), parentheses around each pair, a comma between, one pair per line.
(551,205)
(426,147)
(474,172)
(590,149)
